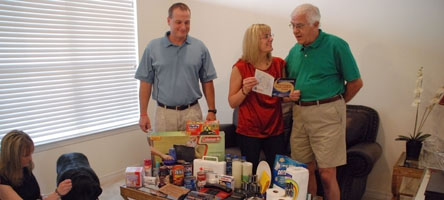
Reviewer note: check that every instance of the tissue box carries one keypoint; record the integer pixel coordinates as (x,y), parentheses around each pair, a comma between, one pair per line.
(133,176)
(205,145)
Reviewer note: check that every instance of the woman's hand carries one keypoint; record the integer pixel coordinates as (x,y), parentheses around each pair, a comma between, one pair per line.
(64,187)
(295,95)
(248,84)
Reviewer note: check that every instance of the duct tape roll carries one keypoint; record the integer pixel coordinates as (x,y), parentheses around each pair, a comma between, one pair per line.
(275,193)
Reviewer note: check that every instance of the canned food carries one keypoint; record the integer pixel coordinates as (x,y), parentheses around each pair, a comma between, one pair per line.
(178,175)
(188,169)
(201,179)
(190,183)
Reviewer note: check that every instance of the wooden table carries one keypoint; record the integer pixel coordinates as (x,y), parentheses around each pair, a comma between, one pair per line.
(133,193)
(405,176)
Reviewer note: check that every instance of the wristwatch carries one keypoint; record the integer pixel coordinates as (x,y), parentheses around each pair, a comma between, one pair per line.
(213,111)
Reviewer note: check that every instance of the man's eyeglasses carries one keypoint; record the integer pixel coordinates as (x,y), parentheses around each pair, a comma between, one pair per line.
(296,26)
(268,36)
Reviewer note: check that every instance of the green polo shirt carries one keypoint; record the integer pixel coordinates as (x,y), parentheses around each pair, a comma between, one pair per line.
(321,68)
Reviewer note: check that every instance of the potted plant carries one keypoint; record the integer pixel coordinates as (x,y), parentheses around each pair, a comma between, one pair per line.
(414,140)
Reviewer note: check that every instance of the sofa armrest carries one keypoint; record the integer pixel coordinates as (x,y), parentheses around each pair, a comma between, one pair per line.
(230,134)
(361,158)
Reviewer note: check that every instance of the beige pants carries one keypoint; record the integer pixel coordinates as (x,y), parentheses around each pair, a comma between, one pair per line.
(175,120)
(318,133)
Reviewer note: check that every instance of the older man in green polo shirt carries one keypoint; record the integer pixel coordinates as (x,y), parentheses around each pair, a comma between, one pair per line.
(327,76)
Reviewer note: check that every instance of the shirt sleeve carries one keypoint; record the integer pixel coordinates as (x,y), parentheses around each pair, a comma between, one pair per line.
(145,71)
(207,72)
(346,62)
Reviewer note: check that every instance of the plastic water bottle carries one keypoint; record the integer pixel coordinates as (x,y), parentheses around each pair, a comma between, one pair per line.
(229,161)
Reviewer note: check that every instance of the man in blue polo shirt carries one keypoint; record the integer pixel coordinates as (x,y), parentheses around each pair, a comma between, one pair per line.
(327,76)
(170,70)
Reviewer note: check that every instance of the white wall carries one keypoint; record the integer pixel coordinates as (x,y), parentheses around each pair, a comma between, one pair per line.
(390,41)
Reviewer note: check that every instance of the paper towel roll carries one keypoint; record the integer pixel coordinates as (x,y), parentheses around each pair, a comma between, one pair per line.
(298,176)
(275,193)
(237,173)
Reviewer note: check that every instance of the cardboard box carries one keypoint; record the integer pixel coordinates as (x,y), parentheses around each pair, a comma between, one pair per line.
(205,145)
(133,176)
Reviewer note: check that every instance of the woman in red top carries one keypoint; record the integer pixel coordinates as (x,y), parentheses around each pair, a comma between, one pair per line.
(260,122)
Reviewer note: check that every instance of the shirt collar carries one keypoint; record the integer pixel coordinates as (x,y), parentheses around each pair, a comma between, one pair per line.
(317,41)
(167,43)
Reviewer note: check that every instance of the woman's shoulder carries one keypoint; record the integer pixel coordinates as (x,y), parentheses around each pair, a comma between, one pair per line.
(278,60)
(4,180)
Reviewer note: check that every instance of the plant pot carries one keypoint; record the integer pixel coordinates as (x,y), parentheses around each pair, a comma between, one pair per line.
(413,148)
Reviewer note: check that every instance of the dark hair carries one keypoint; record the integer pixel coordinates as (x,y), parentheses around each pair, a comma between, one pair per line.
(179,5)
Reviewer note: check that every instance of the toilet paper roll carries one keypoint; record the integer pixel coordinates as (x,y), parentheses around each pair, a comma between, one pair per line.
(275,193)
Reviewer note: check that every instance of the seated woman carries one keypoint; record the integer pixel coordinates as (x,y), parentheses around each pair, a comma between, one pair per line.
(16,178)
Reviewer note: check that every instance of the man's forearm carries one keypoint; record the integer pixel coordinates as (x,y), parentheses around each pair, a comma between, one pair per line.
(208,90)
(352,88)
(144,96)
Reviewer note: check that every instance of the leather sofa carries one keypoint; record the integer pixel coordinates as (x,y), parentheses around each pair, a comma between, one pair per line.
(362,149)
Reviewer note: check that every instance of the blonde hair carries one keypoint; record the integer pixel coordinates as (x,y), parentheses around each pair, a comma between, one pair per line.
(250,47)
(15,144)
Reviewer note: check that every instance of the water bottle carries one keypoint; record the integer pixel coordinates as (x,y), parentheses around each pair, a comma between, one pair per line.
(229,168)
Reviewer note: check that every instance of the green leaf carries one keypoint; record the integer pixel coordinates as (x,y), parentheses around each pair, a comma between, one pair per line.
(423,137)
(402,138)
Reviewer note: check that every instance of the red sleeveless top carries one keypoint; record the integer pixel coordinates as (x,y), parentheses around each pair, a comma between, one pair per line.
(260,115)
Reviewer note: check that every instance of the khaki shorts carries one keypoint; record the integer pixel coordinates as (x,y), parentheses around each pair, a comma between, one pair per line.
(175,120)
(318,134)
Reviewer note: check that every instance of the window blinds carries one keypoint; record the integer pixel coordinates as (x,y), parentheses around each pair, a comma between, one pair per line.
(67,67)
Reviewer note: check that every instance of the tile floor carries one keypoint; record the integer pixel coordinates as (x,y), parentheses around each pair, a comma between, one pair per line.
(111,191)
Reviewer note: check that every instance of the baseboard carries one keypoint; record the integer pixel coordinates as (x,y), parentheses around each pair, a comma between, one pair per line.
(112,177)
(376,195)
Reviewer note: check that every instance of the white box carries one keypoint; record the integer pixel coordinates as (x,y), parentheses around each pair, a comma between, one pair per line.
(134,177)
(210,165)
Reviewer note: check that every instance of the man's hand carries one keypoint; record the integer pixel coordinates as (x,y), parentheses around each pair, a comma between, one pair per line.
(211,116)
(295,95)
(144,123)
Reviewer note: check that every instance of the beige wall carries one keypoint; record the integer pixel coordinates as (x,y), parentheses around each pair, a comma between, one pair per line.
(390,40)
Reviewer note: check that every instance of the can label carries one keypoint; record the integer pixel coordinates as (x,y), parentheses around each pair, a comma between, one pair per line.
(178,175)
(190,183)
(188,169)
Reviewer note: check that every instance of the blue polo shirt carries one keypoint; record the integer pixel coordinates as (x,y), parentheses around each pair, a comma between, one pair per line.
(321,68)
(175,70)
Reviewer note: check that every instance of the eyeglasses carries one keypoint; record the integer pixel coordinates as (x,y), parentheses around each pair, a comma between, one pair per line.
(296,26)
(268,36)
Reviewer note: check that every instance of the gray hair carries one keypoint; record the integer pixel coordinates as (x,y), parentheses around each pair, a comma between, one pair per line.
(311,11)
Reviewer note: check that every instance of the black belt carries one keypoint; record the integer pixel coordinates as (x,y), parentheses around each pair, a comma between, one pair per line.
(322,101)
(182,107)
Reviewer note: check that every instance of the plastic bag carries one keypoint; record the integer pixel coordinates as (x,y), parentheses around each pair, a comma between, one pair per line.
(432,155)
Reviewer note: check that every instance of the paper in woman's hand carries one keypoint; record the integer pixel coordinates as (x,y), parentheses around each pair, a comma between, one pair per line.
(265,83)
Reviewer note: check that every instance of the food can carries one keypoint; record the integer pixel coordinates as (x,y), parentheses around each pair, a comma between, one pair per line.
(188,169)
(201,179)
(190,183)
